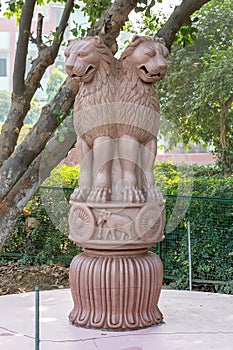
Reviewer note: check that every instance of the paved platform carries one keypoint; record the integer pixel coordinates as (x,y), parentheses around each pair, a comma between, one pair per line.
(193,320)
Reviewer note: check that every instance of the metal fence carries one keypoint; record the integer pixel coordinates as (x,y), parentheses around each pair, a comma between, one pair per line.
(197,252)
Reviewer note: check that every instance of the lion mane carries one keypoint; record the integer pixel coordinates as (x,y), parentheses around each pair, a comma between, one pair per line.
(116,101)
(93,101)
(136,91)
(140,98)
(99,90)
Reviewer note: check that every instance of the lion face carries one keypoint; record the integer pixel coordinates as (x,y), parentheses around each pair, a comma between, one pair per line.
(149,60)
(82,60)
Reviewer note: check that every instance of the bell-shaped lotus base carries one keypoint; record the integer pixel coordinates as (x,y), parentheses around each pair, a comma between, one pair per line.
(116,290)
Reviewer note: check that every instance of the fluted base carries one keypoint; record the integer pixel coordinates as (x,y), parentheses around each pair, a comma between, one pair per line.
(116,290)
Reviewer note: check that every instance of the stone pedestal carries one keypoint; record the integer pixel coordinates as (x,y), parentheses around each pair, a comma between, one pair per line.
(115,290)
(116,282)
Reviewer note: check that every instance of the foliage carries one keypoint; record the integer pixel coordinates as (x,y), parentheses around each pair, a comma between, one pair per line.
(45,243)
(5,103)
(91,8)
(34,112)
(56,78)
(204,181)
(187,33)
(78,30)
(39,241)
(196,97)
(148,22)
(211,242)
(94,8)
(146,6)
(210,219)
(64,176)
(14,7)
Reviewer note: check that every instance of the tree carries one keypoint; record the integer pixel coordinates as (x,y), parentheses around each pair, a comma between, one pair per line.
(24,167)
(198,92)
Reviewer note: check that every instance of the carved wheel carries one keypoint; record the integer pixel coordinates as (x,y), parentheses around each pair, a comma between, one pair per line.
(81,223)
(150,223)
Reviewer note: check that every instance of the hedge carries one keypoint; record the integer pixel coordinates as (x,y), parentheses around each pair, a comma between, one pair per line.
(37,240)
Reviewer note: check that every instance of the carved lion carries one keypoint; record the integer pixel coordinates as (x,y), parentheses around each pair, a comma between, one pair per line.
(116,114)
(93,64)
(143,63)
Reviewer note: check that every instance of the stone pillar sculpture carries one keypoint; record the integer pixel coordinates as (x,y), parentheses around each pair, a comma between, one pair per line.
(116,213)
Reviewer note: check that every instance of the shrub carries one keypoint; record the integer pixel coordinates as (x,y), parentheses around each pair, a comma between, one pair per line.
(210,220)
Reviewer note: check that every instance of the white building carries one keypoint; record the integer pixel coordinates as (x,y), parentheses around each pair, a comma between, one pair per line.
(8,41)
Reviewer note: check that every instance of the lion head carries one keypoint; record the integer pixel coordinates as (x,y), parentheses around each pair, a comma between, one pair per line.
(147,57)
(85,57)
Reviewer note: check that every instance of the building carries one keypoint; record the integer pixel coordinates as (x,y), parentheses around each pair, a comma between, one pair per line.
(8,42)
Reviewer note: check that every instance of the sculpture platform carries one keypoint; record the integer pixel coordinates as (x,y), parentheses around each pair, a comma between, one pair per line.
(193,321)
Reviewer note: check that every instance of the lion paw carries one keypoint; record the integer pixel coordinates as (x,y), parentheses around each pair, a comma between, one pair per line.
(132,195)
(99,195)
(78,195)
(154,194)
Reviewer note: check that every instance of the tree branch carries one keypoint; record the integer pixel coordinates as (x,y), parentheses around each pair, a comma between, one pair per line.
(61,28)
(229,102)
(21,103)
(40,169)
(22,47)
(178,17)
(39,31)
(16,165)
(109,25)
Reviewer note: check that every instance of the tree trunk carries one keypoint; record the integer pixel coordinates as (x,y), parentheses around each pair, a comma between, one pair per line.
(25,188)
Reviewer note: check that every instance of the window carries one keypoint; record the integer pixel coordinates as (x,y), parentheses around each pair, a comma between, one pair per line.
(3,67)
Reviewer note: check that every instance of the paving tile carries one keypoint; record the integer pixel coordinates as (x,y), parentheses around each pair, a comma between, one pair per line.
(193,321)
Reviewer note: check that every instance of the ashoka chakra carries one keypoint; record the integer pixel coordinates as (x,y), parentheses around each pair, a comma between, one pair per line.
(81,223)
(150,221)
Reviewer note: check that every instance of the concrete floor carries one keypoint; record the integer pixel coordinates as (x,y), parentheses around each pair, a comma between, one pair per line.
(193,320)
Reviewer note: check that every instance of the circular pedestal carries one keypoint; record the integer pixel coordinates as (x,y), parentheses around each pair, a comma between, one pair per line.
(116,290)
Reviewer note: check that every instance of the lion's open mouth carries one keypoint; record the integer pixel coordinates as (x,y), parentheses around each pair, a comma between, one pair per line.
(148,73)
(89,69)
(85,73)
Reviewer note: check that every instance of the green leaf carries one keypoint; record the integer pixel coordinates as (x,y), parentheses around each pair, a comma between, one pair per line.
(196,19)
(59,120)
(139,9)
(45,155)
(83,32)
(56,111)
(61,138)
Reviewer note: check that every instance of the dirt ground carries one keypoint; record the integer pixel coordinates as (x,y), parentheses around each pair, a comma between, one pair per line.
(20,279)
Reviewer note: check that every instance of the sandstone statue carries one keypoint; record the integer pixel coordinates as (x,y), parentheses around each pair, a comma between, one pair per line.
(116,110)
(116,213)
